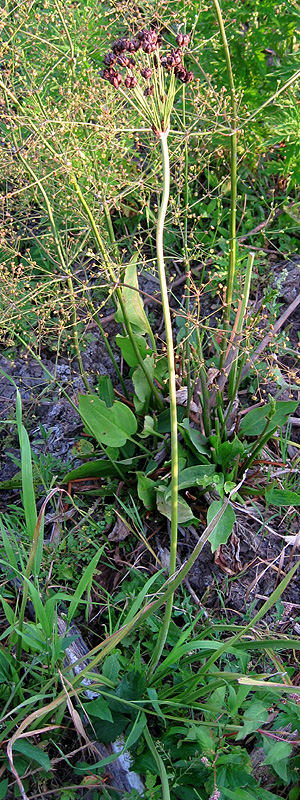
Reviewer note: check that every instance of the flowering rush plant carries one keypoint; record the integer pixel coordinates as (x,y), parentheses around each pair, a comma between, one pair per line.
(145,74)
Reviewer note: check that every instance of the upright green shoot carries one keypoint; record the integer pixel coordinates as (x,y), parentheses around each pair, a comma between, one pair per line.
(233,179)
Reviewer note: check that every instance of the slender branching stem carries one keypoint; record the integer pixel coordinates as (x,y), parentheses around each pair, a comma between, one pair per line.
(187,348)
(234,377)
(233,178)
(172,390)
(63,263)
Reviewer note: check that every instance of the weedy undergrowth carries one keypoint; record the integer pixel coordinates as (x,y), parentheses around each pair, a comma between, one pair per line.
(188,709)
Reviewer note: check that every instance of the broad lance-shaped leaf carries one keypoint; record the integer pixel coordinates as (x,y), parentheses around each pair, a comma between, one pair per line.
(199,475)
(282,497)
(132,301)
(224,527)
(142,389)
(110,426)
(255,421)
(127,350)
(164,505)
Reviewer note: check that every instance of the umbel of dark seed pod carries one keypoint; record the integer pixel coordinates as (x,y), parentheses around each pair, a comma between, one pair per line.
(149,41)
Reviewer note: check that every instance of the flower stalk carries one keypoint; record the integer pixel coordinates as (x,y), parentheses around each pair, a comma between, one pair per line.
(155,103)
(233,180)
(163,136)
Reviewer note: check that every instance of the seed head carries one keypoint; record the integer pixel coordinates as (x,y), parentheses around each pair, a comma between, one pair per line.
(147,73)
(176,56)
(182,39)
(120,45)
(109,59)
(123,60)
(131,46)
(149,91)
(116,80)
(130,81)
(136,43)
(112,77)
(149,47)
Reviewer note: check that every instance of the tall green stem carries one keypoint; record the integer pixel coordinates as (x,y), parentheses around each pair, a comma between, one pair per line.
(233,177)
(172,390)
(187,347)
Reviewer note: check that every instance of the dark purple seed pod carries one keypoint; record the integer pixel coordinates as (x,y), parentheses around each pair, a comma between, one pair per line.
(147,73)
(170,63)
(180,73)
(107,74)
(186,40)
(149,91)
(177,57)
(123,61)
(123,44)
(189,77)
(152,36)
(109,59)
(131,62)
(137,44)
(131,46)
(119,46)
(130,81)
(163,61)
(140,35)
(179,39)
(148,47)
(116,80)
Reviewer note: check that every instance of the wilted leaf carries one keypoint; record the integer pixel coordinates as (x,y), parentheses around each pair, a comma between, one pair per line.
(119,532)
